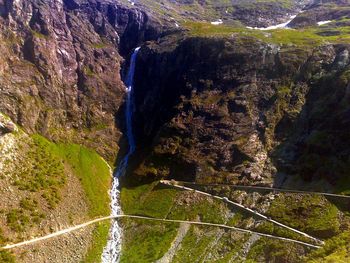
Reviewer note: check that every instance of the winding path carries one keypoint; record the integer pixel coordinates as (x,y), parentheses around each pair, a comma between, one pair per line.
(265,188)
(71,229)
(174,184)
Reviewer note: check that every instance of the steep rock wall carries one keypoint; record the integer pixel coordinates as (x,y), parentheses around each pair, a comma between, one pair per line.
(238,110)
(60,70)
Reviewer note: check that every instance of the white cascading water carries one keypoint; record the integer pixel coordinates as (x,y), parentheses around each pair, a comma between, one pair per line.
(111,253)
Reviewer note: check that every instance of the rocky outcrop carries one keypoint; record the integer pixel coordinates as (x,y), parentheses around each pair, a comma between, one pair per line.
(60,73)
(248,12)
(225,110)
(323,11)
(265,13)
(6,125)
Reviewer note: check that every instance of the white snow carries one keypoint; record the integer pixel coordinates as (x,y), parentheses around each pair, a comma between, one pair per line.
(283,25)
(217,22)
(320,23)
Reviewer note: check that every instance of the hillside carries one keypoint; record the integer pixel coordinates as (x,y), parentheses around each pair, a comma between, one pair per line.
(221,101)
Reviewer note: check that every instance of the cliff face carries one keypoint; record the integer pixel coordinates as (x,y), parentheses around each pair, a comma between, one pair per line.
(60,78)
(60,70)
(238,110)
(238,107)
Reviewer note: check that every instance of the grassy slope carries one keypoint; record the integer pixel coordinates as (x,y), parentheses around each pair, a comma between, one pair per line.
(99,241)
(94,175)
(147,242)
(302,37)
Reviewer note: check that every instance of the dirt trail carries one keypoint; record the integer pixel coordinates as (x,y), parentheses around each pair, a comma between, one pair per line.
(265,188)
(225,199)
(71,229)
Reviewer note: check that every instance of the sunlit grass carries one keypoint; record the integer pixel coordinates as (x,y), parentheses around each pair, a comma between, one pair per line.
(305,37)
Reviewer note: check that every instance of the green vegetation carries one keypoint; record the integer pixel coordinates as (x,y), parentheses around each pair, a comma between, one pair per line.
(336,250)
(99,241)
(312,214)
(301,37)
(150,200)
(99,45)
(194,245)
(28,215)
(93,173)
(272,229)
(17,220)
(271,250)
(89,72)
(6,257)
(3,239)
(203,209)
(41,171)
(156,200)
(146,241)
(29,204)
(210,244)
(39,35)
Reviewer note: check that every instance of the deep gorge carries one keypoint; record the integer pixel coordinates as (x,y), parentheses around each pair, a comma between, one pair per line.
(215,105)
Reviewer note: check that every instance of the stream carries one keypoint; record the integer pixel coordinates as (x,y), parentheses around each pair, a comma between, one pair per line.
(111,253)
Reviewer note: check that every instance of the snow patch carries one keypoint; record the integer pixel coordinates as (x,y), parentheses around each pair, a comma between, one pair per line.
(320,23)
(217,22)
(279,26)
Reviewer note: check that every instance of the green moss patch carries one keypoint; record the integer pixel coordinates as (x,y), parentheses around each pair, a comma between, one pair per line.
(270,250)
(312,214)
(41,170)
(146,241)
(302,37)
(193,246)
(336,250)
(93,173)
(150,200)
(99,241)
(7,257)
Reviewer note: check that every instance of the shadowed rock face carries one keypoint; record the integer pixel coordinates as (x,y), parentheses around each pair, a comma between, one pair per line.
(239,110)
(60,66)
(6,125)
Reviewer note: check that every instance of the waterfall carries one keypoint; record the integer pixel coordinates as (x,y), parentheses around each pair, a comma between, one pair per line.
(111,253)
